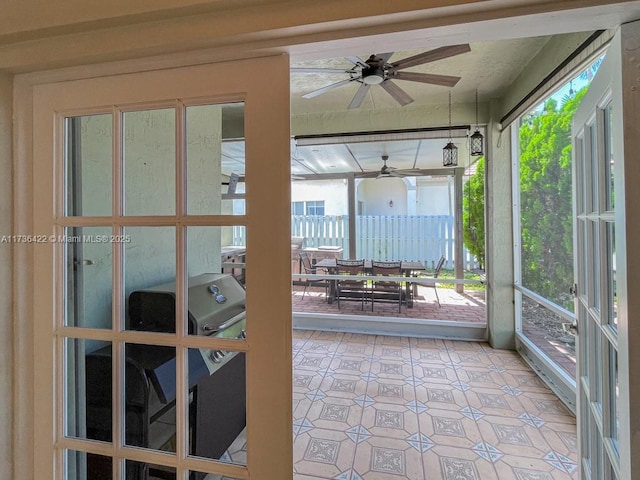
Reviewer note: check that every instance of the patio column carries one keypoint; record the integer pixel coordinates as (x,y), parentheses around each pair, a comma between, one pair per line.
(412,191)
(499,237)
(351,194)
(459,234)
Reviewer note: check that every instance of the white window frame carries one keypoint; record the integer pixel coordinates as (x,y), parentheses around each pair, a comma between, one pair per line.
(273,336)
(557,379)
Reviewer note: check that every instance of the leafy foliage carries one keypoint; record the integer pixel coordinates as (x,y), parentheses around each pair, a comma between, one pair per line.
(473,213)
(546,200)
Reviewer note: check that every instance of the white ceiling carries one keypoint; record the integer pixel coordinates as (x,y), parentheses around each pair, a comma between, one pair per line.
(359,156)
(490,67)
(366,156)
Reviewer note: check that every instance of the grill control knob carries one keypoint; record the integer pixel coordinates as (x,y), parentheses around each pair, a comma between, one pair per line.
(216,355)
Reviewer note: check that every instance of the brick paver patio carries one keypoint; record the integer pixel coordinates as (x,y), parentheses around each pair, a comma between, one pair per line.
(466,307)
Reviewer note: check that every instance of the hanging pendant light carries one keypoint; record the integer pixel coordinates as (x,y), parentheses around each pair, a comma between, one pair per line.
(477,140)
(450,151)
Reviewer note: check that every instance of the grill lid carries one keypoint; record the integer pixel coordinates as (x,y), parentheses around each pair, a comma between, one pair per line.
(216,301)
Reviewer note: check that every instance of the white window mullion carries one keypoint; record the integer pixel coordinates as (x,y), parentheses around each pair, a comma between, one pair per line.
(182,362)
(118,164)
(60,395)
(60,385)
(118,409)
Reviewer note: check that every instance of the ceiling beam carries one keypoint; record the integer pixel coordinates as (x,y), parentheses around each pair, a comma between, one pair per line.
(425,172)
(457,131)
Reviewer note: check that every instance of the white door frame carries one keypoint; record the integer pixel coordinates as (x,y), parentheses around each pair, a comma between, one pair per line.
(267,121)
(617,82)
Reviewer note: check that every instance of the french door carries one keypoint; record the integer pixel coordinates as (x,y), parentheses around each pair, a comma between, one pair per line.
(156,358)
(605,207)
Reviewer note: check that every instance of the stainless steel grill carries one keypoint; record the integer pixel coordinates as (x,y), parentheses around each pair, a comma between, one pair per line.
(217,412)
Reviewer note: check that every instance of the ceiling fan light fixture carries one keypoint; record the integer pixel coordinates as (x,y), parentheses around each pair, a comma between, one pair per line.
(373,75)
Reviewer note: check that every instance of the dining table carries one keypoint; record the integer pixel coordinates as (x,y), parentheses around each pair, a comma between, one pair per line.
(408,268)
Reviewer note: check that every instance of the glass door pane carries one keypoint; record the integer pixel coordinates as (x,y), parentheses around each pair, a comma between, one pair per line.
(149,155)
(215,157)
(89,164)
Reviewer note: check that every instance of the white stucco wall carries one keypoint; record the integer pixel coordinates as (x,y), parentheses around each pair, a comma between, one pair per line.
(434,197)
(149,156)
(428,197)
(333,192)
(384,196)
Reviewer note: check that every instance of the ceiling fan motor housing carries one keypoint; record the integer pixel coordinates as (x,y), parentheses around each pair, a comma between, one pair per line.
(373,75)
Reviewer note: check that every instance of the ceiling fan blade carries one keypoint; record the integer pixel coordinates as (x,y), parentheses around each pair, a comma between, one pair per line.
(388,175)
(328,88)
(319,70)
(431,56)
(432,78)
(356,61)
(359,96)
(396,92)
(409,172)
(385,56)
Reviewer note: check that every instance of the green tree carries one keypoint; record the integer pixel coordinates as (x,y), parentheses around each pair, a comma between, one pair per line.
(473,212)
(546,200)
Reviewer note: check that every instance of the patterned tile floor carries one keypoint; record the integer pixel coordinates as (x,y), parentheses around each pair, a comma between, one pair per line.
(381,408)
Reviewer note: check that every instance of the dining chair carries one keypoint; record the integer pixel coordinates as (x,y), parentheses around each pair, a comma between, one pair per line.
(309,269)
(383,290)
(350,290)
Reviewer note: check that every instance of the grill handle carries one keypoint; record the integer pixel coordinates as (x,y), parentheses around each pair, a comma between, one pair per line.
(233,320)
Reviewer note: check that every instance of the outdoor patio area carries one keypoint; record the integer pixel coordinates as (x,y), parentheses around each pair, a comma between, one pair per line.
(463,307)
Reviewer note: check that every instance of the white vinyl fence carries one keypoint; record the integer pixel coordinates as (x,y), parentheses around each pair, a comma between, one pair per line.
(421,238)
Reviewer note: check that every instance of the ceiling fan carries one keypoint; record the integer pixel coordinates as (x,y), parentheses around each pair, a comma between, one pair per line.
(377,70)
(387,171)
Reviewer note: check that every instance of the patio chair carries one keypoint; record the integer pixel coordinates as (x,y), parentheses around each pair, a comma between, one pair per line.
(296,243)
(435,275)
(309,269)
(386,291)
(348,290)
(296,247)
